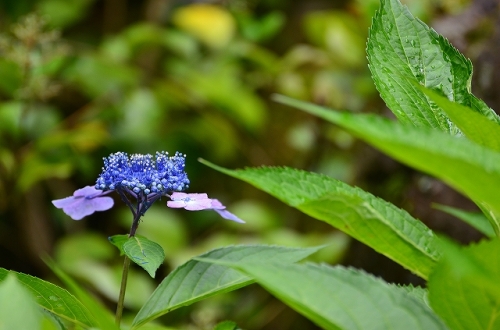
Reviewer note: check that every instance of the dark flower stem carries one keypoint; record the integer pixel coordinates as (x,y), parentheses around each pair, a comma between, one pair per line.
(126,264)
(123,287)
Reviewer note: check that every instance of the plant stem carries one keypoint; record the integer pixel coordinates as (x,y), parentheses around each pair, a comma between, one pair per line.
(126,263)
(123,287)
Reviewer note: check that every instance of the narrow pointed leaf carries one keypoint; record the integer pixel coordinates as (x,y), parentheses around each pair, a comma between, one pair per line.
(102,316)
(475,219)
(468,167)
(473,124)
(402,52)
(340,298)
(195,280)
(54,299)
(371,220)
(144,252)
(18,309)
(463,289)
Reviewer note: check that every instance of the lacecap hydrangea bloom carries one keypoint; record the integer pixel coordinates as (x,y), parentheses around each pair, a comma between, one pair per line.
(140,180)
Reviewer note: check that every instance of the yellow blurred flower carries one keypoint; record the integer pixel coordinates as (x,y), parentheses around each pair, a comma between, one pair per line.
(211,24)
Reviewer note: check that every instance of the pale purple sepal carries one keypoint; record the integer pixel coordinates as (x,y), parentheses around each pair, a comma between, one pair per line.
(198,202)
(84,201)
(191,202)
(228,215)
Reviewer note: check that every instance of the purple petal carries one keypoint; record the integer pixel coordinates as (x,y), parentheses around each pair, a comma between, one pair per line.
(228,215)
(84,202)
(60,203)
(178,196)
(176,204)
(88,191)
(102,203)
(216,205)
(187,197)
(198,205)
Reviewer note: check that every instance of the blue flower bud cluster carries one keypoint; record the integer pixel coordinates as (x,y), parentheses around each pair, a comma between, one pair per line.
(141,173)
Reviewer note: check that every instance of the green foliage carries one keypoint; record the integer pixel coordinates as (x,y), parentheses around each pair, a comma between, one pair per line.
(402,52)
(375,222)
(474,125)
(464,290)
(475,219)
(340,298)
(190,87)
(144,252)
(12,296)
(50,297)
(468,167)
(101,315)
(197,280)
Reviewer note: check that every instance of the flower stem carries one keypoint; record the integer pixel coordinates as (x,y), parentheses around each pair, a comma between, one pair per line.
(126,263)
(123,287)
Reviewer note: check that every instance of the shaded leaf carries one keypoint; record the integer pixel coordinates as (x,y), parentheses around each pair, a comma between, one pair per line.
(340,298)
(118,241)
(144,252)
(18,309)
(102,316)
(475,219)
(54,299)
(195,280)
(463,289)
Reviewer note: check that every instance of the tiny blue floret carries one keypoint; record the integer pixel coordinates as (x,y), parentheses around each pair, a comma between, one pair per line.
(143,174)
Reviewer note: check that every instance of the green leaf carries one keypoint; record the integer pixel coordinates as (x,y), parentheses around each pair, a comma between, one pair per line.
(18,309)
(340,298)
(371,220)
(100,313)
(147,254)
(417,292)
(403,51)
(464,290)
(226,325)
(118,241)
(466,166)
(54,299)
(475,219)
(195,281)
(474,125)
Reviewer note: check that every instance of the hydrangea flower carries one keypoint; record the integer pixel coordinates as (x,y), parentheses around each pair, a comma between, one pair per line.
(84,202)
(197,202)
(145,179)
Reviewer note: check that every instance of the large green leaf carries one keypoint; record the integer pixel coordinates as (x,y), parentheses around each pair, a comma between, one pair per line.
(54,299)
(474,125)
(371,220)
(403,51)
(468,167)
(464,289)
(340,298)
(195,280)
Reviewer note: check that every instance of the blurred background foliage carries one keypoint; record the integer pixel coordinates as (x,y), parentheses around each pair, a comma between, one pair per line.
(84,78)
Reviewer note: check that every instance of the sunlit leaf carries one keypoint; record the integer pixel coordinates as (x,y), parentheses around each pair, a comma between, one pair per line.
(403,51)
(466,166)
(373,221)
